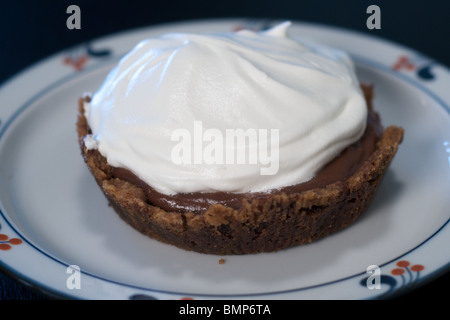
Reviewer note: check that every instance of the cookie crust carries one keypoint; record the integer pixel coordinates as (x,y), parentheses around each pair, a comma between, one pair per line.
(276,222)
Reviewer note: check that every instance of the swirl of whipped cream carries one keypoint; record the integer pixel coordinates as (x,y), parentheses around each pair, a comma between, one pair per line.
(295,106)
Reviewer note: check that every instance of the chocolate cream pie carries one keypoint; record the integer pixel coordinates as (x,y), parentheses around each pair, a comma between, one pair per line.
(235,143)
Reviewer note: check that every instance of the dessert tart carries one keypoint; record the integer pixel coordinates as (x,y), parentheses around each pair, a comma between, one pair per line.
(235,143)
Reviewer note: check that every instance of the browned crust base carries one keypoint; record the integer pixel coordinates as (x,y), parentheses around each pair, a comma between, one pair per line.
(262,225)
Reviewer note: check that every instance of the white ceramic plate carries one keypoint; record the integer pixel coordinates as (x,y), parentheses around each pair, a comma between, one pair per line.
(53,215)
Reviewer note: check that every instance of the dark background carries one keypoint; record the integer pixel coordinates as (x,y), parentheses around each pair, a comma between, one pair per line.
(33,30)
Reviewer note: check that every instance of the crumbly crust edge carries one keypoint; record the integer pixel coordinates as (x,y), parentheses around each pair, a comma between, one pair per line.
(261,225)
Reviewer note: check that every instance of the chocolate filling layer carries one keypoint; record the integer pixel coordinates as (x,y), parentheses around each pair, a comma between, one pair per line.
(339,169)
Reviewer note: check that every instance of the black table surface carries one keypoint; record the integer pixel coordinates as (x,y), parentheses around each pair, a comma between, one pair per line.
(33,30)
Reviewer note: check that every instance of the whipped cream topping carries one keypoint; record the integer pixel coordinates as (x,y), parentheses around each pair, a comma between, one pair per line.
(300,100)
